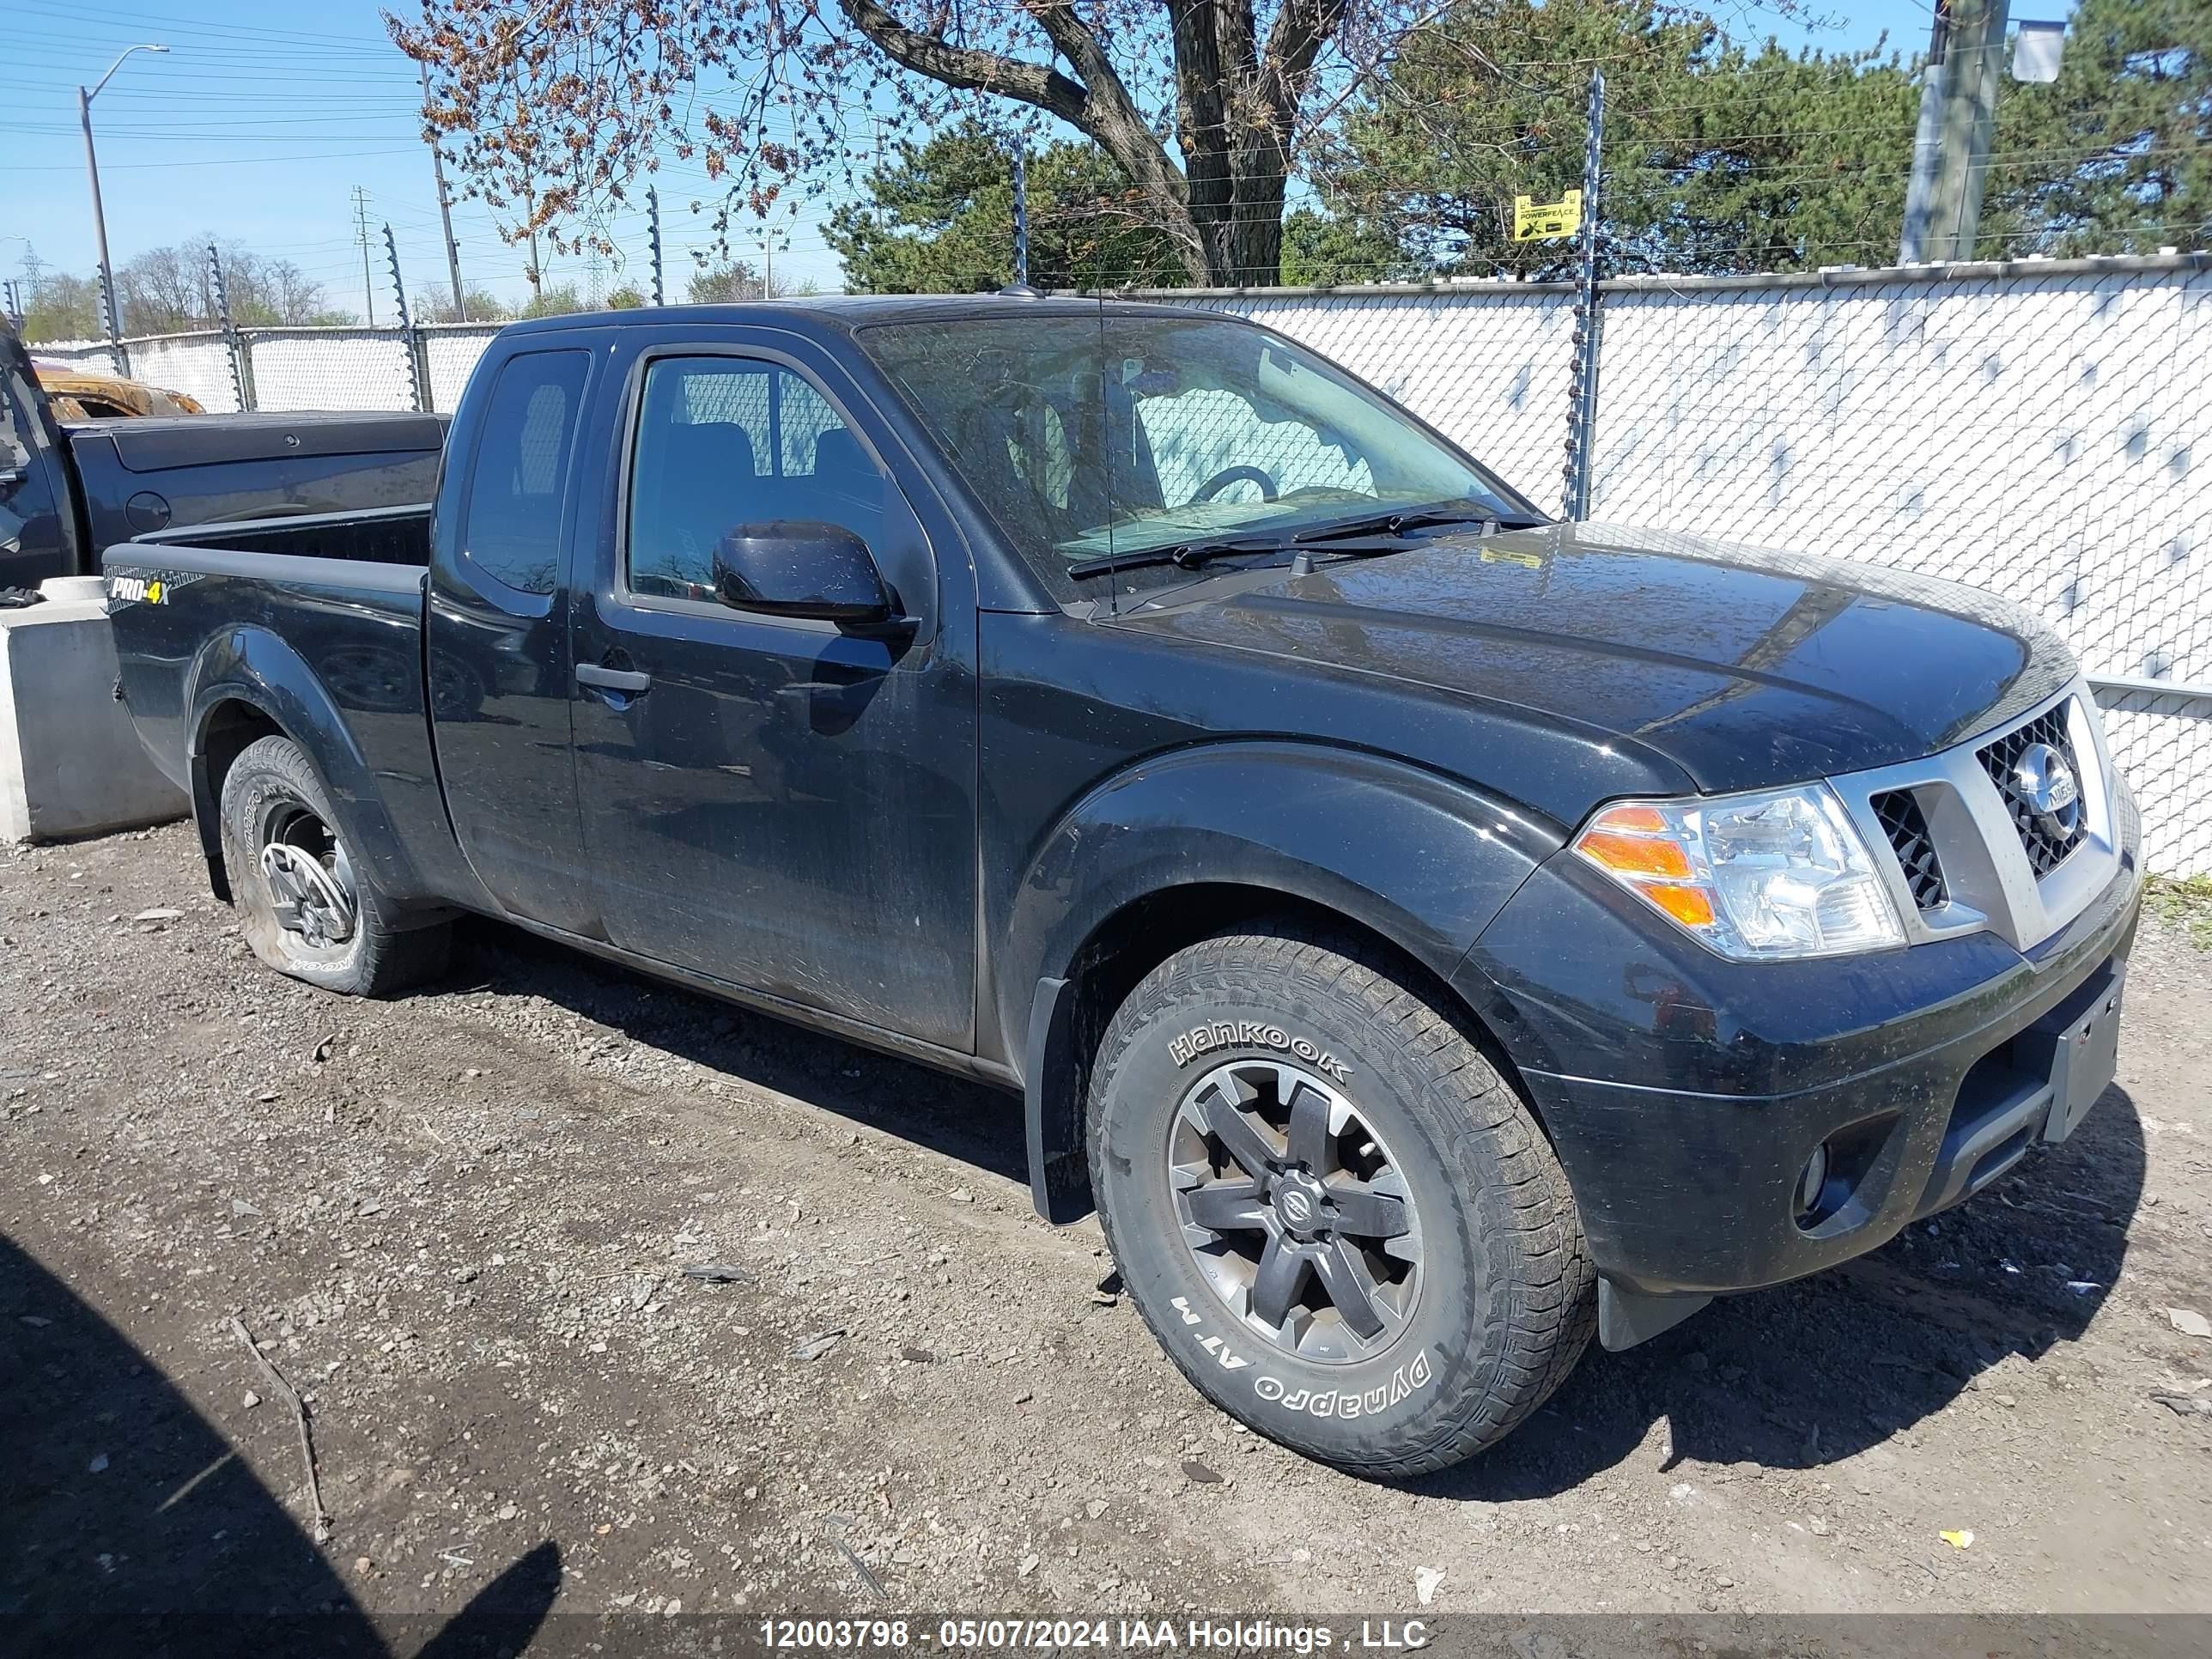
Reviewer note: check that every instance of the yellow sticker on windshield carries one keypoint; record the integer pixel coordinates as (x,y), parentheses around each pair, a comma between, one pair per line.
(1511,556)
(1544,222)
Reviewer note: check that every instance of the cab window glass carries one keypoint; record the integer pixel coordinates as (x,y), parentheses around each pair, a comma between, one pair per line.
(30,532)
(511,528)
(1193,433)
(725,441)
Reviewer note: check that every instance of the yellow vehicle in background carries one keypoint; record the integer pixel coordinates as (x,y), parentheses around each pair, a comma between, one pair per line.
(79,394)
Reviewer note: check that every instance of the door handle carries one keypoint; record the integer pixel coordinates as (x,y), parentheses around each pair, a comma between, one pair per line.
(628,680)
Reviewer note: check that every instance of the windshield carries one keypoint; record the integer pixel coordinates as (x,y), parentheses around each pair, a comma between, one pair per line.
(1110,435)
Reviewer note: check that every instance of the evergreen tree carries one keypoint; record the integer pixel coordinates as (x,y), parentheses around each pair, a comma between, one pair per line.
(1717,158)
(940,220)
(2112,157)
(1321,251)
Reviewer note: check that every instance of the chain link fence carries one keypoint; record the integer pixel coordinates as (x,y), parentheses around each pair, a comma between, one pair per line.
(291,370)
(2038,428)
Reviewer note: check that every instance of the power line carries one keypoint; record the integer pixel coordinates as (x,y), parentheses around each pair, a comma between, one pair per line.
(227,161)
(129,18)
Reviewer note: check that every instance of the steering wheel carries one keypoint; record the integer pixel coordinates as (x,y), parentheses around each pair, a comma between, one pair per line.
(1229,475)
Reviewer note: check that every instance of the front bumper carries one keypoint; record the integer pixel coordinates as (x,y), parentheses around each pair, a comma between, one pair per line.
(1930,1068)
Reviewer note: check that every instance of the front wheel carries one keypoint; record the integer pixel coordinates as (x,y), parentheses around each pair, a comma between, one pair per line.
(1336,1216)
(306,910)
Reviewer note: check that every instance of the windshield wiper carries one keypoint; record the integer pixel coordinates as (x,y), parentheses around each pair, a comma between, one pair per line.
(1396,523)
(1188,556)
(1376,533)
(1192,556)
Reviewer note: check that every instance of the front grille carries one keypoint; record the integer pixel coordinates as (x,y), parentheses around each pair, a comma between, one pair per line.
(1901,821)
(2047,845)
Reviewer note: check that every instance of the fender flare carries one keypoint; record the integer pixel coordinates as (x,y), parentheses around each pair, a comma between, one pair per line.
(1419,858)
(253,665)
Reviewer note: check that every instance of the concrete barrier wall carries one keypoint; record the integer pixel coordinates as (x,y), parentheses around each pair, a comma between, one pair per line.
(70,762)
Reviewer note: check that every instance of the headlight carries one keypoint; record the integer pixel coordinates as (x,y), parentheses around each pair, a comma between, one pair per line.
(1780,874)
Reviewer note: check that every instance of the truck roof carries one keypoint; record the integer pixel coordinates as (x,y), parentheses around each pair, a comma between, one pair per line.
(847,312)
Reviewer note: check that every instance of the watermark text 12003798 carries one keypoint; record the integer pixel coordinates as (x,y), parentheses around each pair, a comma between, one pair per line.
(1239,1636)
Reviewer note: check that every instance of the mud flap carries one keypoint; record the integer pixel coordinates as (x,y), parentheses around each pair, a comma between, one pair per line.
(1059,1184)
(1626,1318)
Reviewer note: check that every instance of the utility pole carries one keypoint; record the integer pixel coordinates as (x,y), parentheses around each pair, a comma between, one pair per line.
(653,219)
(534,272)
(1957,118)
(361,236)
(445,204)
(85,97)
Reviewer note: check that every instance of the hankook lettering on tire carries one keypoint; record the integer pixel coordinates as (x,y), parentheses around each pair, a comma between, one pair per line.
(1252,1034)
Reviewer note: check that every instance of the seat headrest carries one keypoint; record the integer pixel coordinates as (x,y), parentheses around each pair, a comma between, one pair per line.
(716,447)
(838,456)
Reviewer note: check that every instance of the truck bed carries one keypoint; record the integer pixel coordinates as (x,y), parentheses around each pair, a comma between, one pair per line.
(385,535)
(159,474)
(317,620)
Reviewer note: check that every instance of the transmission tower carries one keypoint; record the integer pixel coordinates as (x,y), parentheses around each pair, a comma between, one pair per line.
(361,236)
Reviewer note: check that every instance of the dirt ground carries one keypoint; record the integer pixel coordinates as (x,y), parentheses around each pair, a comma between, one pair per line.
(458,1224)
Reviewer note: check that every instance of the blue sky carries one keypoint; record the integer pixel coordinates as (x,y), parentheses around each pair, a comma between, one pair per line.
(263,117)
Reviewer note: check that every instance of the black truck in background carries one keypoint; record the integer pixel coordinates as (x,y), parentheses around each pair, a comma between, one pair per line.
(1428,934)
(68,491)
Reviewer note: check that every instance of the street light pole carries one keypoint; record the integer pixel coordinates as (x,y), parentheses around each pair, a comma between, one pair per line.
(85,97)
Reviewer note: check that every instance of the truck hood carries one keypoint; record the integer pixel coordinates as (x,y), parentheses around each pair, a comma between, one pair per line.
(1744,668)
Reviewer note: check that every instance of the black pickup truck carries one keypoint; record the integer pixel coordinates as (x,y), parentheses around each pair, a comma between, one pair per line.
(69,488)
(1427,933)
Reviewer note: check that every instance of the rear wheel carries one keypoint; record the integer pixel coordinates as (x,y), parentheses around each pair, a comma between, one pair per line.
(1335,1215)
(305,908)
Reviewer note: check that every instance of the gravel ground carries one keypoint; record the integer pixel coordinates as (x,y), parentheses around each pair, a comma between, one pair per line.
(458,1223)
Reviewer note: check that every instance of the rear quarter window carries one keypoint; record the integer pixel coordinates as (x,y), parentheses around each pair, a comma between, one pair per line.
(511,526)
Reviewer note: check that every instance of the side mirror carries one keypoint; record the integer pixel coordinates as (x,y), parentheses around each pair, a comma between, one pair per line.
(802,568)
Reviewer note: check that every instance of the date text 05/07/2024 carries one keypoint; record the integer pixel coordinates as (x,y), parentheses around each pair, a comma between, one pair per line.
(1060,1635)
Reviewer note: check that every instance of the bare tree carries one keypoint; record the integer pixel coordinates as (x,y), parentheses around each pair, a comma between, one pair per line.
(561,107)
(61,307)
(164,290)
(735,279)
(167,290)
(277,291)
(436,304)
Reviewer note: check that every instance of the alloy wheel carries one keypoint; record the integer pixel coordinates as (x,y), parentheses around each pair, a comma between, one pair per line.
(1295,1210)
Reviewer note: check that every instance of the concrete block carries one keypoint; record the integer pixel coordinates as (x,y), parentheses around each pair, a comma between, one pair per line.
(71,762)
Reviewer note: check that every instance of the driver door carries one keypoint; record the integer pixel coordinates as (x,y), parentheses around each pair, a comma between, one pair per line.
(770,801)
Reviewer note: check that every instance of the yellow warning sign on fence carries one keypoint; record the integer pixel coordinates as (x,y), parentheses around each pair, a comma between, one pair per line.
(1544,222)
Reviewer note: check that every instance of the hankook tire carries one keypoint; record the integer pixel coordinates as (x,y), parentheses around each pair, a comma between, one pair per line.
(306,908)
(1403,1278)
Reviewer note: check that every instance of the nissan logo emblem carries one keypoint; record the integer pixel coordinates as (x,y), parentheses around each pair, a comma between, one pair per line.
(1297,1207)
(2046,782)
